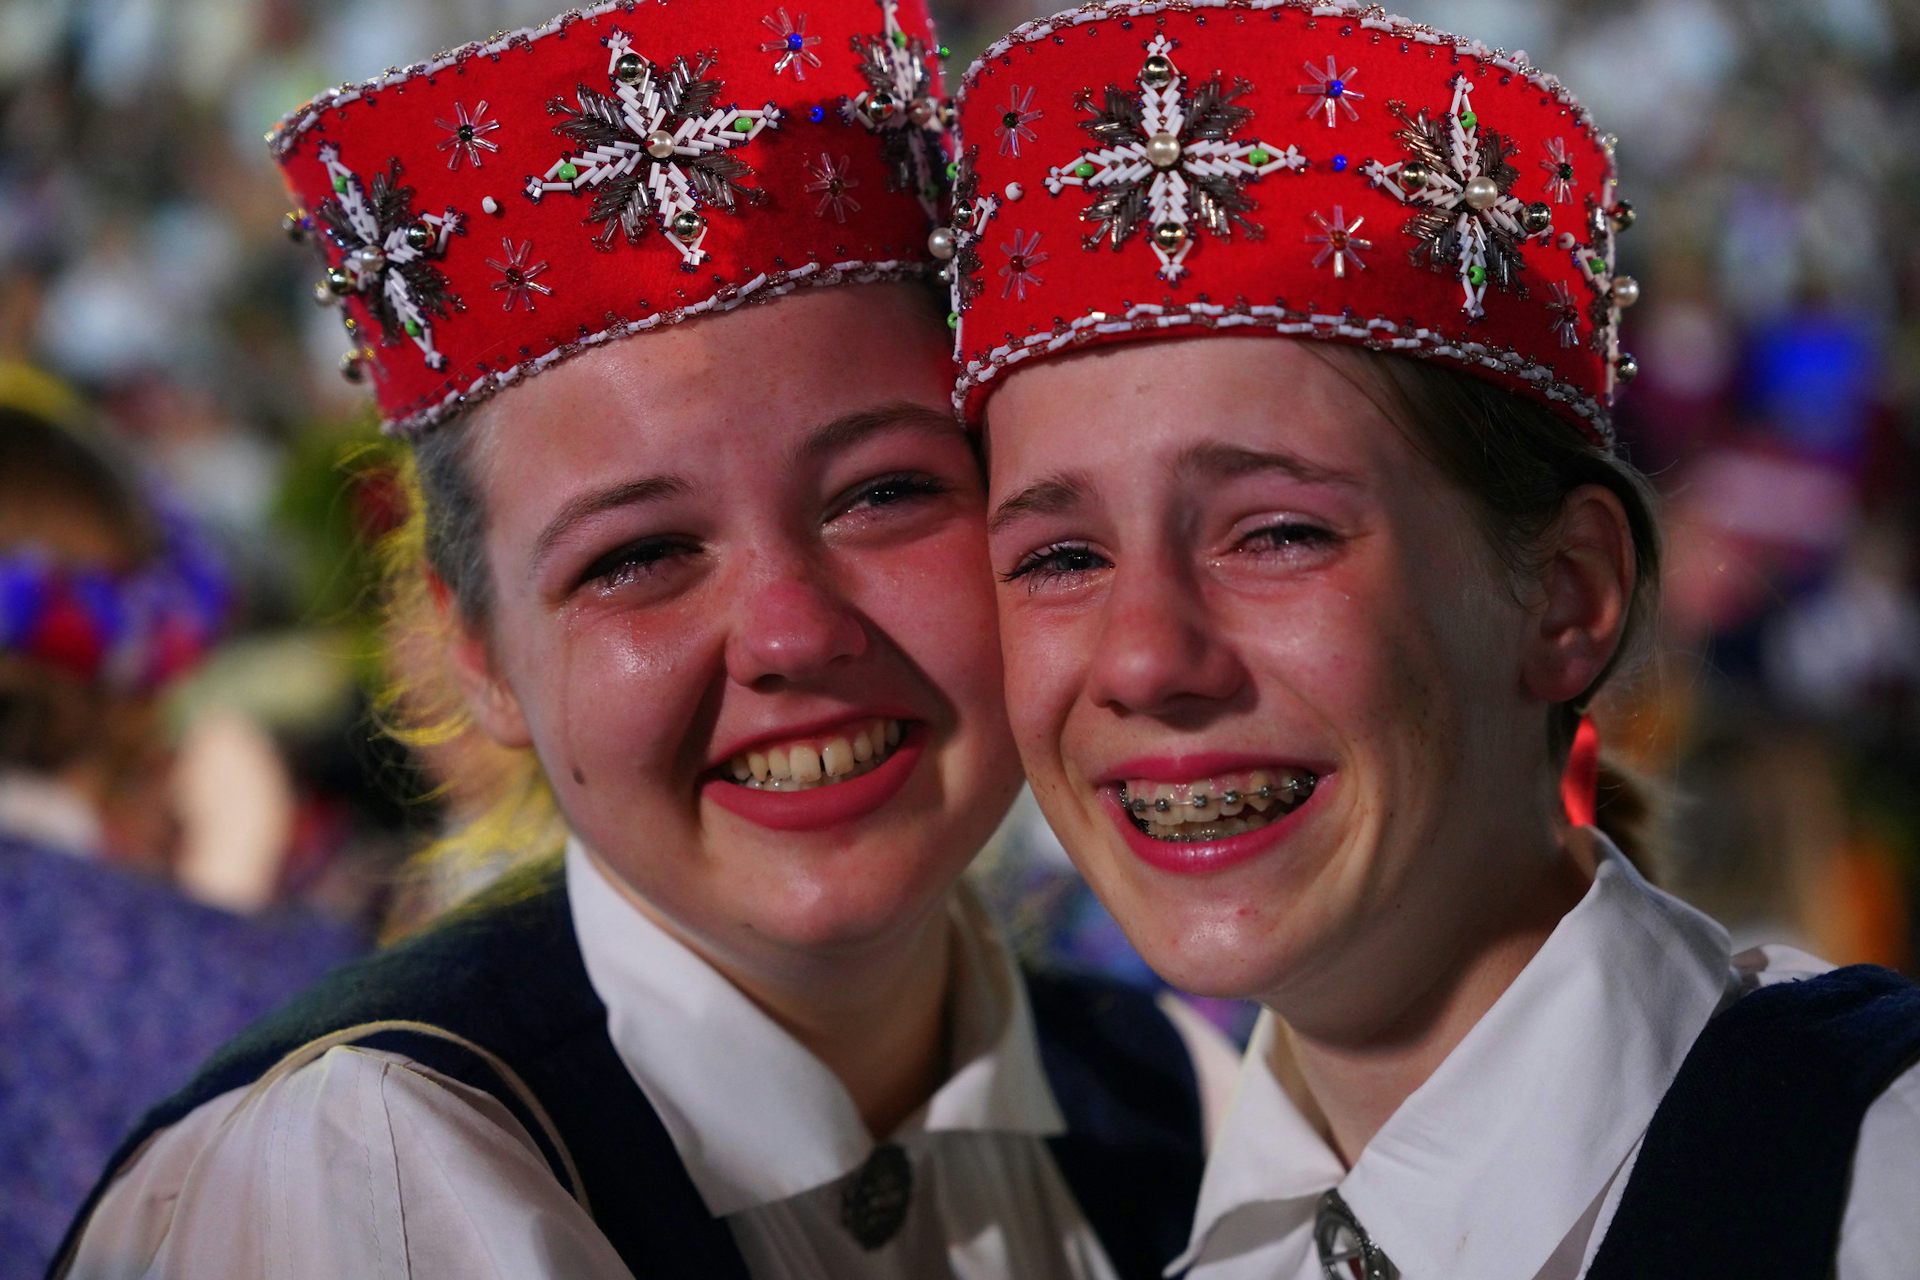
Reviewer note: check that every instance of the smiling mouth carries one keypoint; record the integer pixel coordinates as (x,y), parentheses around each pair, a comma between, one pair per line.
(805,764)
(1214,808)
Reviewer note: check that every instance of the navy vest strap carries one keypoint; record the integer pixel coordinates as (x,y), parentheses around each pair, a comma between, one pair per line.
(1134,1147)
(506,973)
(1746,1165)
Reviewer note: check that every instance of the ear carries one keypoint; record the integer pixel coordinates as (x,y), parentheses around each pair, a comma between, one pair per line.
(1586,581)
(490,699)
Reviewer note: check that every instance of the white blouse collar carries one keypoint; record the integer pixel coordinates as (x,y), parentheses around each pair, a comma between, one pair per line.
(753,1115)
(1488,1166)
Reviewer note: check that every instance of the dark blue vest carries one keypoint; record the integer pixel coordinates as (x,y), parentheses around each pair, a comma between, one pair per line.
(507,974)
(1746,1164)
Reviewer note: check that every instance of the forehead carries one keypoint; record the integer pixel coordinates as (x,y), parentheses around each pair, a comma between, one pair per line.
(1123,408)
(756,378)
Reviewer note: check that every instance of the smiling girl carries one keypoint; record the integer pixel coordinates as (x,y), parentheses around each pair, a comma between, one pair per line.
(1299,632)
(721,572)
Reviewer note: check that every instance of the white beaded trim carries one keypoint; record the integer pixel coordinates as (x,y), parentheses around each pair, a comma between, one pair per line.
(1377,334)
(1366,17)
(284,135)
(763,287)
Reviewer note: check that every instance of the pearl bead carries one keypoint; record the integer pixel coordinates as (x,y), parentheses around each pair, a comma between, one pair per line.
(1157,71)
(659,144)
(1169,235)
(489,204)
(1481,193)
(1626,368)
(940,243)
(1163,150)
(1626,291)
(1014,191)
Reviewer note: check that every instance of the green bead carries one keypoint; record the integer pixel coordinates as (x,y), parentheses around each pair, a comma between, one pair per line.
(1476,276)
(743,124)
(1598,264)
(1468,120)
(1083,170)
(953,170)
(1259,155)
(413,328)
(953,319)
(945,52)
(900,39)
(340,184)
(569,171)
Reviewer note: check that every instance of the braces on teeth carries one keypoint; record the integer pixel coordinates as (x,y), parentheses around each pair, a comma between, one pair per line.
(1234,809)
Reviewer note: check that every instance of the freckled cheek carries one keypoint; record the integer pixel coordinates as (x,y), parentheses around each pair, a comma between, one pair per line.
(631,686)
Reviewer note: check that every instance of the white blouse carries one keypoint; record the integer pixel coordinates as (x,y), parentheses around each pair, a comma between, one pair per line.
(1509,1162)
(365,1164)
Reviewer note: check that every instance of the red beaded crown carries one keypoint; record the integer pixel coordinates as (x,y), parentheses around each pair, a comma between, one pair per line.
(1145,170)
(500,207)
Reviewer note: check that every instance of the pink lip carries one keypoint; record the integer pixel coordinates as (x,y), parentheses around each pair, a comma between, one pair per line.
(1198,766)
(1203,858)
(826,727)
(821,808)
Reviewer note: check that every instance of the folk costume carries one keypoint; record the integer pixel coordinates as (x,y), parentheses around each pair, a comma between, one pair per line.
(547,1082)
(1639,1102)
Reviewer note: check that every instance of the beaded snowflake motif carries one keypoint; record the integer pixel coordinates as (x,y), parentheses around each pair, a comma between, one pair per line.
(388,253)
(1458,179)
(830,181)
(898,105)
(1332,92)
(467,135)
(1023,255)
(792,43)
(1566,315)
(1338,241)
(654,152)
(519,279)
(1559,167)
(1166,158)
(1012,129)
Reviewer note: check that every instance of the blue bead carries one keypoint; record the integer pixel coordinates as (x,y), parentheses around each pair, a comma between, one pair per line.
(1335,88)
(817,114)
(1339,164)
(796,42)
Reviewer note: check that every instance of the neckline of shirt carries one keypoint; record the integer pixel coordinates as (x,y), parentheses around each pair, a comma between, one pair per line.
(1488,1165)
(754,1116)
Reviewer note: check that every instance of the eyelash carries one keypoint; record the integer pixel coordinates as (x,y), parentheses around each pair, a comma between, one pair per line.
(1047,564)
(642,559)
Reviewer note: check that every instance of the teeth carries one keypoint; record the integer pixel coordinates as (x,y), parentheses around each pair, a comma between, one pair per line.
(796,766)
(1215,808)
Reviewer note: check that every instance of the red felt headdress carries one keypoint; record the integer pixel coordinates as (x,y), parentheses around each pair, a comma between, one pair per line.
(489,212)
(1142,170)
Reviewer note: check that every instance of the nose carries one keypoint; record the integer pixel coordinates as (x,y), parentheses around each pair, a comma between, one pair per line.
(1156,652)
(790,628)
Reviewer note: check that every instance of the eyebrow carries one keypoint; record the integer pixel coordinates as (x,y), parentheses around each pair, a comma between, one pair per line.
(1049,497)
(1063,491)
(849,429)
(1216,461)
(626,494)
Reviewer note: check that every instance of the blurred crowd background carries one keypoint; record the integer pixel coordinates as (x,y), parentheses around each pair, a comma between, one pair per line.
(1772,152)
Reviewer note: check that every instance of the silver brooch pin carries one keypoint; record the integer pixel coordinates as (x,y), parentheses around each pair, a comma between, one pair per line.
(1347,1252)
(874,1204)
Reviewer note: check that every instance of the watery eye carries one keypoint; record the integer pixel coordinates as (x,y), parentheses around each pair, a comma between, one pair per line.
(1062,560)
(632,562)
(1288,535)
(887,491)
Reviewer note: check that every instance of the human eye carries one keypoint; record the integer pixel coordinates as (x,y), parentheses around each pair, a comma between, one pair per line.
(634,562)
(1055,563)
(1288,536)
(892,490)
